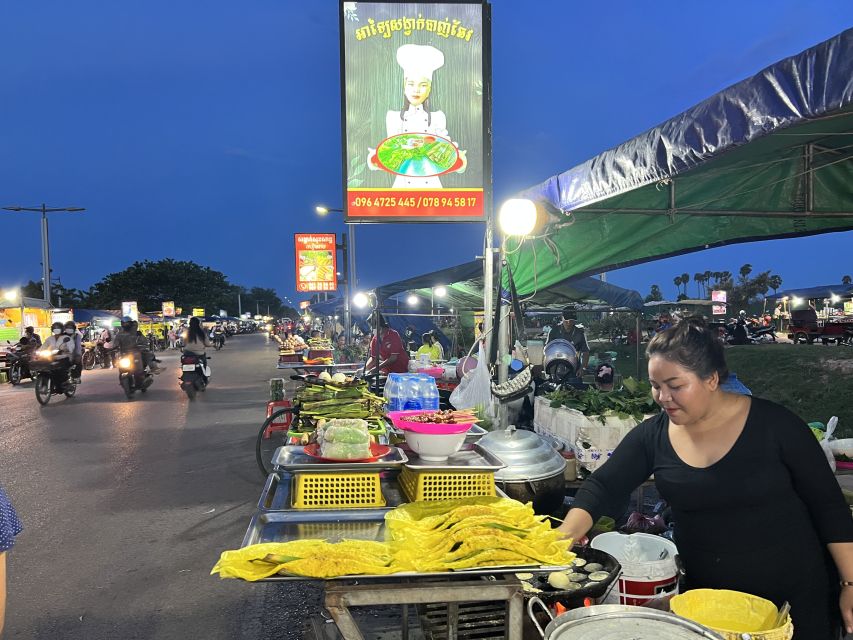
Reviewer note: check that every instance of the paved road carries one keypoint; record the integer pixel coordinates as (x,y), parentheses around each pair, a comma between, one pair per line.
(126,505)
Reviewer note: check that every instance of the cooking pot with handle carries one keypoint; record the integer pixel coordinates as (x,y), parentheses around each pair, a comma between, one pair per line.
(617,622)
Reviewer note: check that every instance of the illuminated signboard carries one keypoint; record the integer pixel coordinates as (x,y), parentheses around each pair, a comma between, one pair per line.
(130,310)
(168,309)
(718,309)
(198,313)
(316,262)
(416,95)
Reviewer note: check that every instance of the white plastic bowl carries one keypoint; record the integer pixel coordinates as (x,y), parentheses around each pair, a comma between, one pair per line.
(435,447)
(843,446)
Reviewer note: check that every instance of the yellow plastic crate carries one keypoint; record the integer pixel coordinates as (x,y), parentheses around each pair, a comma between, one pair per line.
(337,491)
(446,485)
(335,531)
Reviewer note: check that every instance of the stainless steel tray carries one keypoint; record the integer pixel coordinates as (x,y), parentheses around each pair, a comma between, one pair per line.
(353,524)
(469,458)
(277,494)
(294,458)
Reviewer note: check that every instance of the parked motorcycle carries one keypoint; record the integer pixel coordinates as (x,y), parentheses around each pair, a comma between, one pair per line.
(52,375)
(133,375)
(195,374)
(18,359)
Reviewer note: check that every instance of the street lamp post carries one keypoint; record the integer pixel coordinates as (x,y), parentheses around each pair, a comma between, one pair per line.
(349,262)
(45,246)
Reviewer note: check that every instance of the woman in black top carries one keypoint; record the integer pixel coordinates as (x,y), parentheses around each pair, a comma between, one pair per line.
(755,505)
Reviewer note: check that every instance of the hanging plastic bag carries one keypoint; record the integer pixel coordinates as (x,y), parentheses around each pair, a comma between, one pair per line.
(474,390)
(825,444)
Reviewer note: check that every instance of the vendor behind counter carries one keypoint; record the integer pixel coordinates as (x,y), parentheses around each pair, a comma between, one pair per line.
(755,505)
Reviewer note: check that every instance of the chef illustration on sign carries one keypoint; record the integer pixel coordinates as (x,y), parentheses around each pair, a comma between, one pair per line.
(418,62)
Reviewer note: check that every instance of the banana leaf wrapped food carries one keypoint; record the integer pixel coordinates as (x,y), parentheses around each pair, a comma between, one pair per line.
(345,440)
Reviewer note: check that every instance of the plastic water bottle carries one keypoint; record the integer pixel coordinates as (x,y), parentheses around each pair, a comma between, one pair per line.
(429,391)
(412,397)
(393,393)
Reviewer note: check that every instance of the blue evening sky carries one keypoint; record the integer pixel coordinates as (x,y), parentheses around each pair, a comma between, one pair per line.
(209,130)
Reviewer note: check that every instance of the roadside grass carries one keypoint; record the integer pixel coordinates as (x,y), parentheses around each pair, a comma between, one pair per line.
(813,381)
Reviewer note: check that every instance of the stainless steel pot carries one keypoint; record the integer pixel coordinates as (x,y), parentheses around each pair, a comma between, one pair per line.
(533,471)
(618,622)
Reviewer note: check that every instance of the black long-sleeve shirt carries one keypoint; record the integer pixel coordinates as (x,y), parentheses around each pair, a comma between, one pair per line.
(758,520)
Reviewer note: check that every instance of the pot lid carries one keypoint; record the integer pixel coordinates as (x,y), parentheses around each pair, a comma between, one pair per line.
(526,455)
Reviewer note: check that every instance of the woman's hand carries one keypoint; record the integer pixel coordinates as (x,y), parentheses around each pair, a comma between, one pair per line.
(845,602)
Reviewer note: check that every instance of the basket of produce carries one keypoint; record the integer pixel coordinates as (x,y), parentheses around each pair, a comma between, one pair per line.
(292,343)
(591,576)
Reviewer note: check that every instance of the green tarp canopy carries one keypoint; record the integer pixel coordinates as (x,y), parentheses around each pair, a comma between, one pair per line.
(769,157)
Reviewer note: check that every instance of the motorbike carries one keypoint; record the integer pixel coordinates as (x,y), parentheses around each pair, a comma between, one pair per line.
(52,375)
(133,375)
(195,374)
(218,340)
(18,360)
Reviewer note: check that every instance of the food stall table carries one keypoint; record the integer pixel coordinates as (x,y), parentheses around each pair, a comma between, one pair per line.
(340,596)
(306,369)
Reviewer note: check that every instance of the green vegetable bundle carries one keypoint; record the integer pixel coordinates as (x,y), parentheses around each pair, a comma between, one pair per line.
(338,401)
(633,400)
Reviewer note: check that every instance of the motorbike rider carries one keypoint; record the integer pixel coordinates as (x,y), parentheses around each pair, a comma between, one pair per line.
(195,341)
(60,342)
(218,332)
(76,344)
(569,330)
(33,339)
(129,340)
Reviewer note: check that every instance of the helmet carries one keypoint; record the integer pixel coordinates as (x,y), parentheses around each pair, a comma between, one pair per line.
(29,330)
(561,359)
(70,325)
(741,312)
(126,322)
(56,327)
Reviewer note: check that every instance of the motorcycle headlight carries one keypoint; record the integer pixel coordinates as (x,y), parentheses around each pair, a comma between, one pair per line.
(45,353)
(125,363)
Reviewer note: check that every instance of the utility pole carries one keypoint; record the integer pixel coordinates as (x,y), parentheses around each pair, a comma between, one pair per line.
(45,245)
(239,306)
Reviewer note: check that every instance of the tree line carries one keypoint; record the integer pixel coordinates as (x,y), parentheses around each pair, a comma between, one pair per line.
(741,290)
(149,283)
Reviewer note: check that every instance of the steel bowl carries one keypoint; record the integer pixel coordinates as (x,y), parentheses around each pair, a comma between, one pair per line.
(561,359)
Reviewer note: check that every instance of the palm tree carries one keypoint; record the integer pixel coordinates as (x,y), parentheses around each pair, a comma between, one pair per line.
(699,279)
(725,276)
(685,280)
(707,283)
(774,281)
(846,280)
(677,282)
(745,270)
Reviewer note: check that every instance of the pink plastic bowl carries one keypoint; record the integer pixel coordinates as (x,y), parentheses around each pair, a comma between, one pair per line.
(399,420)
(433,372)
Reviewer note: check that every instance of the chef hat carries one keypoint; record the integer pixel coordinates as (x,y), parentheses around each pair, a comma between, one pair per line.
(419,61)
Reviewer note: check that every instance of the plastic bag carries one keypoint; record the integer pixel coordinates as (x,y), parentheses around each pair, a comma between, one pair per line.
(475,388)
(824,444)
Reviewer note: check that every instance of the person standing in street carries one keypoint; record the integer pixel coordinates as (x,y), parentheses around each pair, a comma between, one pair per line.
(10,527)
